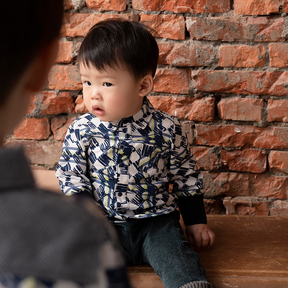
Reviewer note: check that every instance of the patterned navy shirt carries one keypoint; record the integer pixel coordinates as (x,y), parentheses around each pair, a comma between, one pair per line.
(129,164)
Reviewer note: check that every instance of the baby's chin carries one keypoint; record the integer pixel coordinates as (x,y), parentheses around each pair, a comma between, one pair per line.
(105,118)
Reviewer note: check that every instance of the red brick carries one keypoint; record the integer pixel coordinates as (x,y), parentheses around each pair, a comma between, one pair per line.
(65,78)
(56,124)
(32,128)
(239,136)
(78,24)
(31,104)
(183,54)
(172,81)
(40,152)
(226,135)
(188,108)
(278,161)
(263,185)
(277,110)
(280,87)
(183,6)
(239,184)
(278,55)
(187,128)
(240,109)
(214,207)
(68,4)
(166,26)
(60,125)
(285,6)
(202,109)
(279,208)
(256,7)
(274,31)
(57,104)
(248,160)
(242,56)
(206,157)
(272,138)
(164,50)
(246,206)
(65,52)
(76,48)
(100,5)
(241,82)
(78,4)
(229,184)
(233,29)
(218,135)
(80,106)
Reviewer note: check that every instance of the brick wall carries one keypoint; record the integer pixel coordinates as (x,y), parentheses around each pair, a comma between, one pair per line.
(222,71)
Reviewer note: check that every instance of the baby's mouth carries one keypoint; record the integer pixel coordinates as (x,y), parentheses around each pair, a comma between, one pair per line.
(98,111)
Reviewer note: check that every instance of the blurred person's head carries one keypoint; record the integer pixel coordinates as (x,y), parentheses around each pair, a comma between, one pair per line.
(29,31)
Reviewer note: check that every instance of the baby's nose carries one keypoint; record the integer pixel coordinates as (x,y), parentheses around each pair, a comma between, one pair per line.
(96,94)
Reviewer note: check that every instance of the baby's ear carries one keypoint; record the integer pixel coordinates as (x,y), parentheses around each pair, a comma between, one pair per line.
(146,85)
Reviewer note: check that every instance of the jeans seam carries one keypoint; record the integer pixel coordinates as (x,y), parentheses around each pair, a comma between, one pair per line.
(127,231)
(182,256)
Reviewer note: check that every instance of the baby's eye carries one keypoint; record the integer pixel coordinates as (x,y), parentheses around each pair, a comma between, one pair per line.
(107,84)
(87,83)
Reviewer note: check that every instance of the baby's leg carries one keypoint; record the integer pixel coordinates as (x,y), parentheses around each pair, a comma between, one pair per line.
(165,248)
(129,234)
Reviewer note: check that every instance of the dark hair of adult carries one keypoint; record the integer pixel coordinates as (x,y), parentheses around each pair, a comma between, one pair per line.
(114,43)
(26,27)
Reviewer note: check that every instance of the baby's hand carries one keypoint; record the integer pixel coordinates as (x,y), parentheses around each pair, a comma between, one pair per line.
(199,236)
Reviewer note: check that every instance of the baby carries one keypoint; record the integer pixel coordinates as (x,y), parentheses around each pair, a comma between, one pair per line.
(125,154)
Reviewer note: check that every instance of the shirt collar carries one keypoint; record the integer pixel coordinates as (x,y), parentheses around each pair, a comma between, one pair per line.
(15,172)
(140,120)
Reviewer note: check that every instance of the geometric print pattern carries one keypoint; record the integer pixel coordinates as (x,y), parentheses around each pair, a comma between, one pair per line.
(129,164)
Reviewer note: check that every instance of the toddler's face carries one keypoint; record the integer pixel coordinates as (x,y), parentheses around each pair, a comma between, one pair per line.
(111,94)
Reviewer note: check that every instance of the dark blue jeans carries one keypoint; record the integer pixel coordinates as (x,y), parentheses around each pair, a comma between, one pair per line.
(160,242)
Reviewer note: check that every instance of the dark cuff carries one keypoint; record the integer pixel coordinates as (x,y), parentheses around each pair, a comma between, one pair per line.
(192,210)
(83,194)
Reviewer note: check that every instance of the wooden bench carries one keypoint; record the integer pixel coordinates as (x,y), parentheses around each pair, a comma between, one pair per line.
(249,252)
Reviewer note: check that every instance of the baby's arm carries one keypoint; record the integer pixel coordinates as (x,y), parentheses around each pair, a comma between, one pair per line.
(198,233)
(187,186)
(199,236)
(71,169)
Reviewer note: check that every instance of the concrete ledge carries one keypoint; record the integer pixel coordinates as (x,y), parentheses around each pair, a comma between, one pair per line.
(249,252)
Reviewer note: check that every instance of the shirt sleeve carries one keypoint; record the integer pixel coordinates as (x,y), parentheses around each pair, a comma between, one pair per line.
(192,210)
(71,170)
(186,177)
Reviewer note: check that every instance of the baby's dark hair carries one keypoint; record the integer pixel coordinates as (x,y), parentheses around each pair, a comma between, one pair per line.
(114,43)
